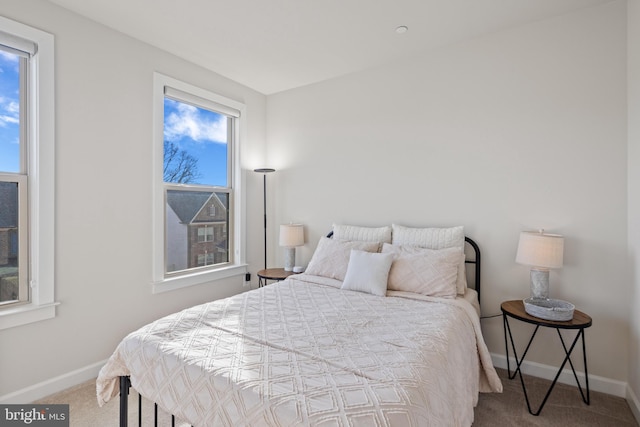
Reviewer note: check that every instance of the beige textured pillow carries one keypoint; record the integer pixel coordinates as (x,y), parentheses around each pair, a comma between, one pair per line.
(331,257)
(431,272)
(362,234)
(434,238)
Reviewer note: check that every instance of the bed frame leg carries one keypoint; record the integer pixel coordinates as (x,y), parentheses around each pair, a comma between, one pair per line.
(125,384)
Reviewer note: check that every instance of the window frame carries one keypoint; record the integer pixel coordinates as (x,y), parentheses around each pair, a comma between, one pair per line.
(20,179)
(161,280)
(40,176)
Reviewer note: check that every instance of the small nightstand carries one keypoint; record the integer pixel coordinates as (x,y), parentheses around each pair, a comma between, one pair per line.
(275,274)
(581,321)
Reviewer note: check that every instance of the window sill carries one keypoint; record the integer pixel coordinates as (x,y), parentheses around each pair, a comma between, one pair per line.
(178,282)
(25,314)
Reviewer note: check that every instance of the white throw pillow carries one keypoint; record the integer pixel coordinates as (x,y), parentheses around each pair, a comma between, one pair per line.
(368,272)
(434,238)
(431,272)
(331,257)
(362,234)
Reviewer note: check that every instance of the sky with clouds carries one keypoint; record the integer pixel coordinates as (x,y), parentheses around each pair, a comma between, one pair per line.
(201,133)
(9,113)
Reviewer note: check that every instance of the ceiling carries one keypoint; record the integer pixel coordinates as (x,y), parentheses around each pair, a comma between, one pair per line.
(275,45)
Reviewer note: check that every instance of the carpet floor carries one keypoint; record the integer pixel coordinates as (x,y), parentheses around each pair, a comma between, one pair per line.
(564,407)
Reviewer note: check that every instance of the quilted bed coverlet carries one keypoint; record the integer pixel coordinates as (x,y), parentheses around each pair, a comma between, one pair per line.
(303,352)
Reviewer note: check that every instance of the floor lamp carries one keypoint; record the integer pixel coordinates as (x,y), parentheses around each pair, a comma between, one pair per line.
(264,171)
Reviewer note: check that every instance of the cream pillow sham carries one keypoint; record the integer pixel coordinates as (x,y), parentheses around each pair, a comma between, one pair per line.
(431,272)
(362,234)
(434,238)
(331,257)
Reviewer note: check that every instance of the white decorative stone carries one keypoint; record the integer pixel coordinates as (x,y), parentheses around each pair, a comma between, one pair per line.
(549,309)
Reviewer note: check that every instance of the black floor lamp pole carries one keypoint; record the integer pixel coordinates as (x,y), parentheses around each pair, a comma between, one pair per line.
(264,171)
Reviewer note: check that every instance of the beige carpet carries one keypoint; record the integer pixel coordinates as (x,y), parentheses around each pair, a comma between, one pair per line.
(564,407)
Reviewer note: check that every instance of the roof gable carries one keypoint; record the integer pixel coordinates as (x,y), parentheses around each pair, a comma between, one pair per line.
(189,204)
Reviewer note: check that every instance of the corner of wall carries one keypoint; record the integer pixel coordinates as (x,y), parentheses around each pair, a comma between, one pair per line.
(634,403)
(633,174)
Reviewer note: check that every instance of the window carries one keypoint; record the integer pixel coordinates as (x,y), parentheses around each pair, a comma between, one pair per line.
(205,234)
(197,207)
(205,259)
(26,175)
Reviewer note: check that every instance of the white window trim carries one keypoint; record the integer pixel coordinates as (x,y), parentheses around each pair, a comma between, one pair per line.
(41,180)
(160,282)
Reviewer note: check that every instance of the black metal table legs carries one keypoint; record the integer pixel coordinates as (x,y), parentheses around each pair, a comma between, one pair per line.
(580,335)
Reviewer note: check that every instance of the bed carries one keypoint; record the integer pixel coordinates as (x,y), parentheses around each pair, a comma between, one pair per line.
(324,348)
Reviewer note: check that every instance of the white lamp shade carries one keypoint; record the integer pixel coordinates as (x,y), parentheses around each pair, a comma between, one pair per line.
(539,249)
(291,235)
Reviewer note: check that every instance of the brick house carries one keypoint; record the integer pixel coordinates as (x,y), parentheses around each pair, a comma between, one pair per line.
(8,241)
(197,225)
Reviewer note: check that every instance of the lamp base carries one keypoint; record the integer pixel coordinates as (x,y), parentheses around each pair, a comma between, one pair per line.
(539,284)
(289,258)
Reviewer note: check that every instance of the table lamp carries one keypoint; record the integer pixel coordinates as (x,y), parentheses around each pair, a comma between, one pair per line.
(542,252)
(291,236)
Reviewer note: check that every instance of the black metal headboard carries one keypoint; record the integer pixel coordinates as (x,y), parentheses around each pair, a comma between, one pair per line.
(476,264)
(475,260)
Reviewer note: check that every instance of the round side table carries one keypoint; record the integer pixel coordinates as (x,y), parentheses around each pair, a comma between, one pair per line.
(515,309)
(275,274)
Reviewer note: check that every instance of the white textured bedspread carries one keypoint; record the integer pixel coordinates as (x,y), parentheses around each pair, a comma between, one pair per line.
(302,352)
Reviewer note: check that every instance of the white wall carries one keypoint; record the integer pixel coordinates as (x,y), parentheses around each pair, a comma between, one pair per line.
(633,79)
(103,196)
(521,129)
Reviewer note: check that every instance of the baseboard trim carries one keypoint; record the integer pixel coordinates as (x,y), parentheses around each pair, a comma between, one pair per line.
(596,383)
(634,403)
(53,385)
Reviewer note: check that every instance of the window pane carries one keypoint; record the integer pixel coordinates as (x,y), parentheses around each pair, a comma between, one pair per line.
(9,285)
(195,145)
(196,235)
(9,112)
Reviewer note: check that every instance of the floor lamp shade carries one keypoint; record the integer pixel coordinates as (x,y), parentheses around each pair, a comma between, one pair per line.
(291,236)
(264,172)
